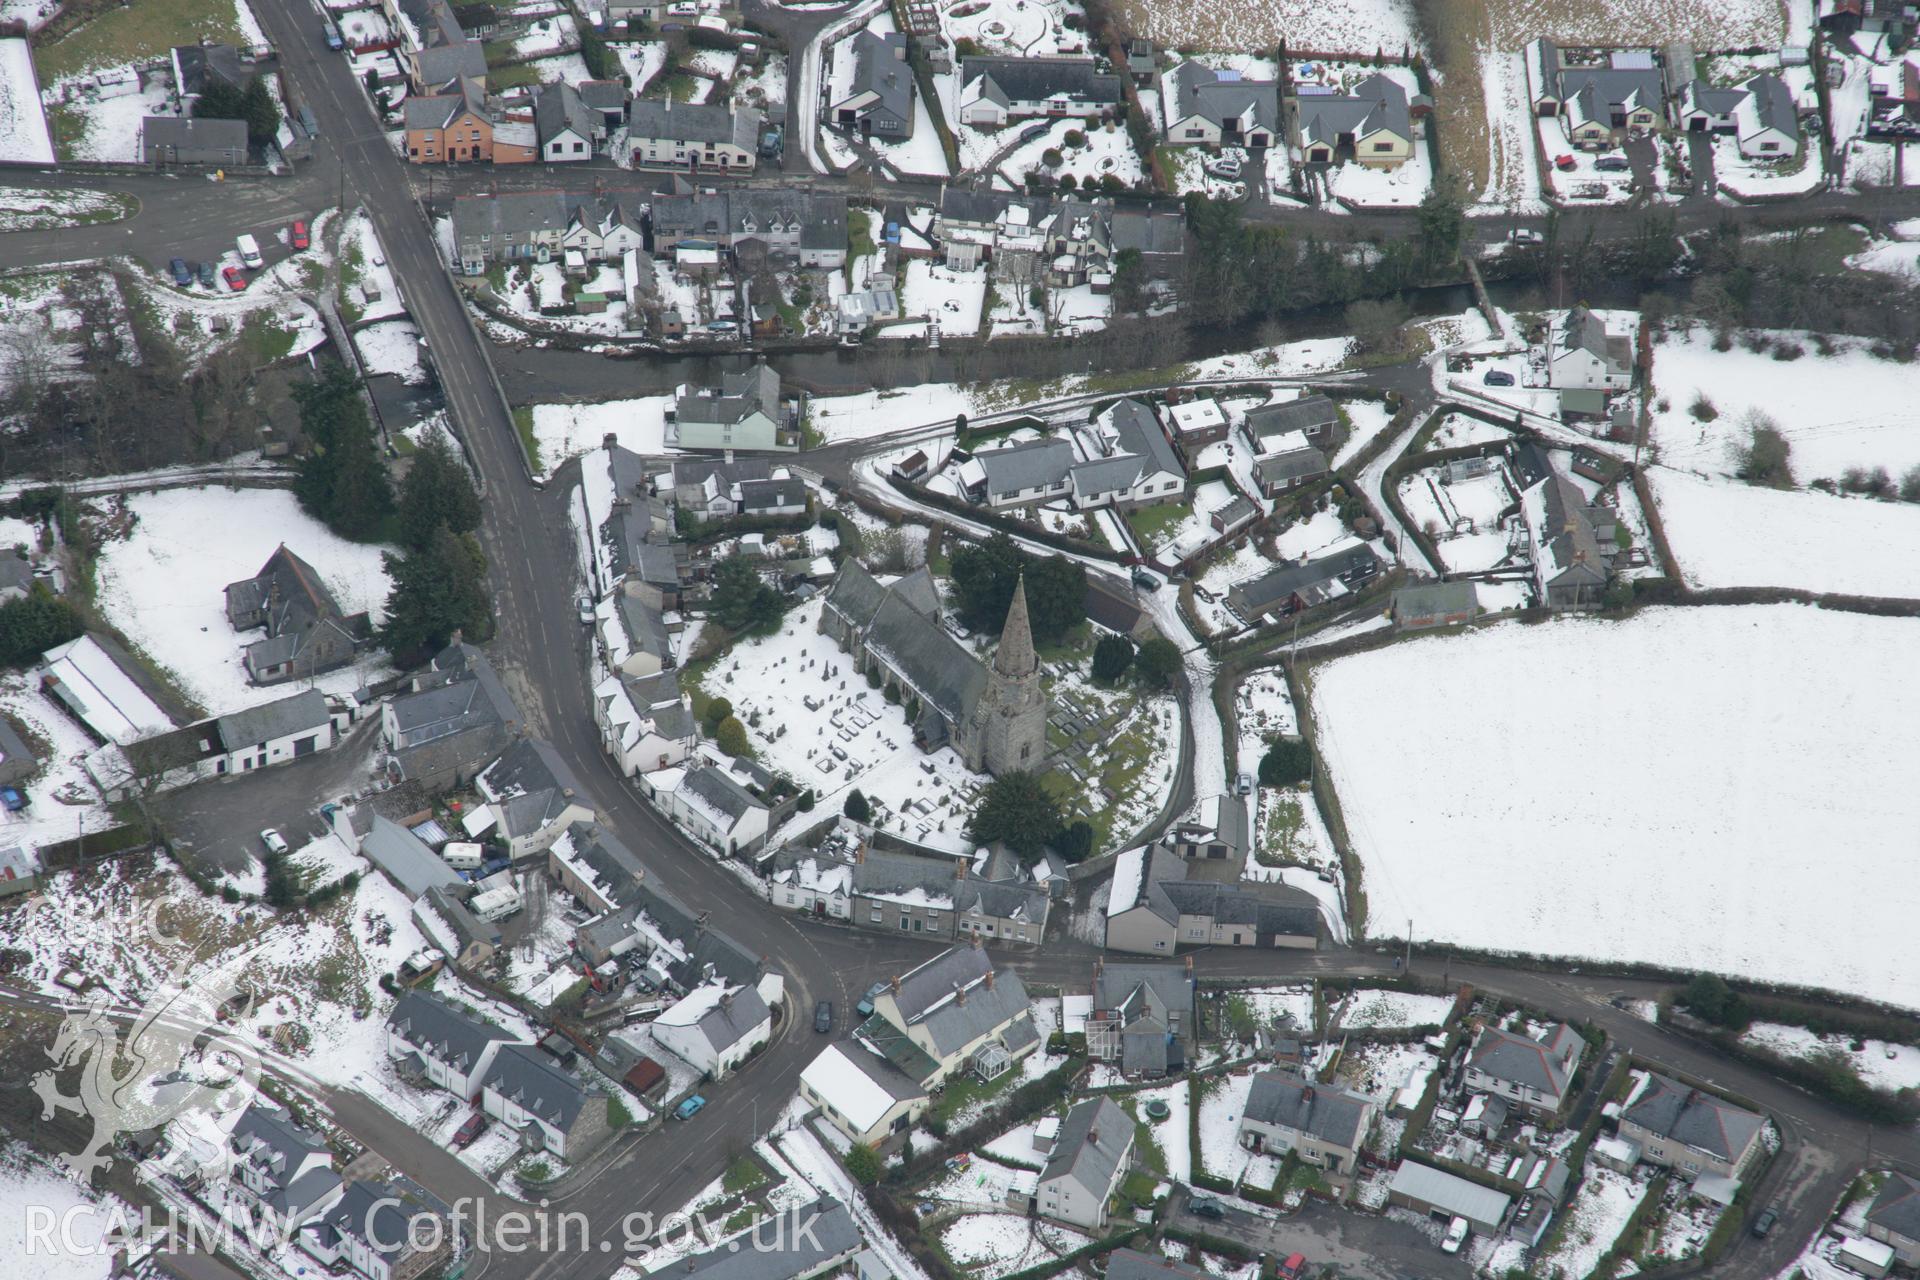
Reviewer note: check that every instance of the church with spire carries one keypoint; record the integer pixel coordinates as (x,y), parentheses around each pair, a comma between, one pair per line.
(994,715)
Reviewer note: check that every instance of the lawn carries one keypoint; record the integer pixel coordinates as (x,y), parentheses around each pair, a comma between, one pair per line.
(1153,524)
(516,77)
(144,29)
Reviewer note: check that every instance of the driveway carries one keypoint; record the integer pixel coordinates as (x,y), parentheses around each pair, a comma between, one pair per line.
(1356,1245)
(217,824)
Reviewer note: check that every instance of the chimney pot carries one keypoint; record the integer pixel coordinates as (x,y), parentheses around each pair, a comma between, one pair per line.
(893,984)
(989,980)
(959,995)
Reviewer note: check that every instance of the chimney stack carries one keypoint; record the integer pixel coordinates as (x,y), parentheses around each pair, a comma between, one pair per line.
(989,979)
(960,995)
(893,984)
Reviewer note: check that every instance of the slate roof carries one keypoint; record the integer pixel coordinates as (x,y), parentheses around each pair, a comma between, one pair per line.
(880,68)
(726,1024)
(939,670)
(431,1023)
(801,1242)
(889,871)
(373,1213)
(1712,99)
(1202,91)
(1285,1101)
(767,495)
(438,110)
(1292,915)
(1038,79)
(1435,599)
(527,1077)
(405,858)
(1693,1117)
(192,134)
(467,928)
(558,108)
(16,757)
(934,980)
(1304,414)
(738,396)
(1377,104)
(719,790)
(1001,899)
(288,590)
(268,1136)
(1769,104)
(1137,432)
(280,718)
(1897,1207)
(693,122)
(1115,985)
(462,60)
(726,474)
(1037,464)
(1522,1060)
(1094,1140)
(1609,89)
(532,786)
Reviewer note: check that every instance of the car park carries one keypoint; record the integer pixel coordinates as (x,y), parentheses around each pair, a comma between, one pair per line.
(275,842)
(690,1108)
(823,1017)
(249,253)
(236,281)
(298,236)
(182,276)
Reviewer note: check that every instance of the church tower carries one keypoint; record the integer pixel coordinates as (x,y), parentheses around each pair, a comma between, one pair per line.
(1009,729)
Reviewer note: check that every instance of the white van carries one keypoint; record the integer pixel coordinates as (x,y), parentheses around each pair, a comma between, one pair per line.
(463,855)
(1456,1236)
(250,253)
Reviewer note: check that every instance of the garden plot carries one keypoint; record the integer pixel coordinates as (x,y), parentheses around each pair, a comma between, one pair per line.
(1381,1008)
(984,1184)
(1278,1006)
(949,300)
(1222,1100)
(1172,1135)
(548,36)
(1512,178)
(138,34)
(997,1244)
(561,68)
(392,346)
(1891,1067)
(1595,1219)
(1194,170)
(1458,429)
(24,138)
(1875,424)
(33,14)
(365,278)
(1751,178)
(162,585)
(1462,518)
(1401,187)
(1365,420)
(1382,1070)
(642,61)
(1685,1223)
(765,86)
(1033,28)
(1262,24)
(563,430)
(1725,533)
(362,27)
(1724,818)
(810,715)
(1106,152)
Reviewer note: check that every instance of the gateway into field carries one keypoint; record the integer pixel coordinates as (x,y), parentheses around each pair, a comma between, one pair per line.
(1706,788)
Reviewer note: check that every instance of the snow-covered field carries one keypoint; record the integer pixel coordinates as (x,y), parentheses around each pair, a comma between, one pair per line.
(1380,1007)
(951,300)
(1728,534)
(1884,1066)
(1875,423)
(39,208)
(79,1221)
(1261,24)
(563,430)
(23,125)
(1723,745)
(163,585)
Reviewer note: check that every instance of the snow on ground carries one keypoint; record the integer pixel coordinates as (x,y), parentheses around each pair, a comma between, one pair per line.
(1379,1007)
(816,1164)
(642,61)
(1728,534)
(361,253)
(79,1221)
(31,12)
(811,716)
(23,125)
(1680,784)
(1742,176)
(163,585)
(1513,181)
(1223,1099)
(1108,151)
(547,35)
(872,413)
(108,129)
(1365,420)
(951,299)
(1880,1064)
(1889,257)
(64,802)
(563,430)
(1294,1005)
(1381,1069)
(41,208)
(1173,1135)
(1876,423)
(1596,1217)
(1303,24)
(999,1243)
(1285,360)
(392,346)
(985,1183)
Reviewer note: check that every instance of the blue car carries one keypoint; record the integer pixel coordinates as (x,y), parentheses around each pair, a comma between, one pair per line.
(181,275)
(690,1108)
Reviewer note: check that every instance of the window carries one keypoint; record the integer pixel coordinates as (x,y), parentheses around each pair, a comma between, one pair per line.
(903,924)
(789,897)
(1383,146)
(876,916)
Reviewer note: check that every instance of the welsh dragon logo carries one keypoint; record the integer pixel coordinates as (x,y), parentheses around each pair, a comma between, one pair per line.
(172,1057)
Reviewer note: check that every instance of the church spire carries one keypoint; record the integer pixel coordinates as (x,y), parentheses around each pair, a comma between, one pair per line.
(1015,658)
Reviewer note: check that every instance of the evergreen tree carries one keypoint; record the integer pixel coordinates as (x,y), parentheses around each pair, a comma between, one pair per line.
(437,590)
(33,624)
(437,491)
(1157,662)
(1111,657)
(731,736)
(1287,761)
(741,601)
(1019,811)
(857,807)
(342,481)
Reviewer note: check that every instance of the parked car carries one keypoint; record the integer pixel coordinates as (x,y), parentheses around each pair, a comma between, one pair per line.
(206,274)
(182,276)
(1497,378)
(1456,1236)
(1526,235)
(865,1007)
(276,844)
(1243,784)
(583,609)
(235,280)
(298,236)
(1764,1223)
(1293,1266)
(12,799)
(690,1108)
(1613,164)
(1145,581)
(1565,164)
(823,1017)
(249,253)
(470,1128)
(1212,1209)
(1227,167)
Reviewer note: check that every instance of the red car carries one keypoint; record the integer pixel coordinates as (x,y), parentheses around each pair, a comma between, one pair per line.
(300,240)
(471,1128)
(1564,163)
(235,280)
(1293,1266)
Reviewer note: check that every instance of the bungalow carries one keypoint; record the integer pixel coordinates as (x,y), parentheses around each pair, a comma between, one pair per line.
(1570,541)
(878,101)
(1219,108)
(1019,475)
(1324,1126)
(861,1092)
(1597,99)
(171,140)
(1894,1217)
(994,91)
(1533,1072)
(1283,472)
(432,1040)
(1765,122)
(527,1091)
(1131,462)
(715,1028)
(1089,1160)
(1313,417)
(693,135)
(1681,1127)
(1373,125)
(1291,589)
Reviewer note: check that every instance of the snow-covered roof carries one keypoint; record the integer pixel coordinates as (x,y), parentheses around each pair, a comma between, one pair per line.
(97,688)
(1129,872)
(852,1087)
